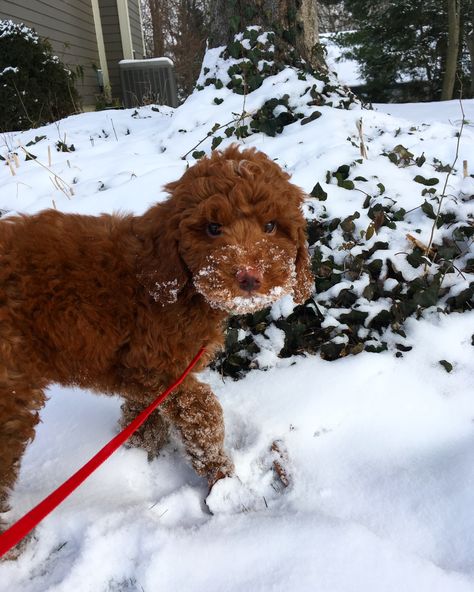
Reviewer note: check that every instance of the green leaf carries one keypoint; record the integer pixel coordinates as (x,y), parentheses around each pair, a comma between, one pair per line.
(355,317)
(319,193)
(423,181)
(343,171)
(242,132)
(375,268)
(347,224)
(215,142)
(331,351)
(446,365)
(427,208)
(415,258)
(399,215)
(427,297)
(36,140)
(347,184)
(369,233)
(420,161)
(381,320)
(376,349)
(314,115)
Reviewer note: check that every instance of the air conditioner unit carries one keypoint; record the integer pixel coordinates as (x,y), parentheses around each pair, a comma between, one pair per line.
(150,81)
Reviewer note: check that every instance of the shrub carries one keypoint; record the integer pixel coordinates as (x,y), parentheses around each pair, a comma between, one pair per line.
(35,87)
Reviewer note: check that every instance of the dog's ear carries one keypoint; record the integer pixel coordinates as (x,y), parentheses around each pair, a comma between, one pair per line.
(164,275)
(304,284)
(160,268)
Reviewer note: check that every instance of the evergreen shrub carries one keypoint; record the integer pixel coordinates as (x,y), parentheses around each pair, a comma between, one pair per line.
(35,86)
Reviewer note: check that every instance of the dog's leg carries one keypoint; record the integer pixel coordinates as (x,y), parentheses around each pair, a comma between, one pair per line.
(198,416)
(151,436)
(20,403)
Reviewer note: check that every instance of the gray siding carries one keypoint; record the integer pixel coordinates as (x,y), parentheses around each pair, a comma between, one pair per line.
(136,29)
(112,42)
(69,26)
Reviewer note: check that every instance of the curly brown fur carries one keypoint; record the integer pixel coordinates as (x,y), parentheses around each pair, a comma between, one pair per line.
(121,303)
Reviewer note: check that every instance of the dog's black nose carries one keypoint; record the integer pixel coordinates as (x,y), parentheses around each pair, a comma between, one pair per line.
(249,279)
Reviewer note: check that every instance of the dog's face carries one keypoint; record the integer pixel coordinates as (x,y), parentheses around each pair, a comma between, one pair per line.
(239,249)
(240,231)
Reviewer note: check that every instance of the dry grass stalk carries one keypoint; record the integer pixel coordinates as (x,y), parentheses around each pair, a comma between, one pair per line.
(362,147)
(59,183)
(465,170)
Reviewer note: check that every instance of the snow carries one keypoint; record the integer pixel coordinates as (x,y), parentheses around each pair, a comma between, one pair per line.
(9,69)
(348,71)
(380,449)
(448,112)
(166,61)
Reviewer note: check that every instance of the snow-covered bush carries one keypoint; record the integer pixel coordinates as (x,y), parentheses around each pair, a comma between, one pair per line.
(244,65)
(35,87)
(371,275)
(372,270)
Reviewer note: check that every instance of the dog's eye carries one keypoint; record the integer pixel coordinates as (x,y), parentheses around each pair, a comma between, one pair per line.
(214,229)
(270,227)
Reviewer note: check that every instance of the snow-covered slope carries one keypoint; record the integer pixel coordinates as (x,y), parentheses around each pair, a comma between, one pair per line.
(379,448)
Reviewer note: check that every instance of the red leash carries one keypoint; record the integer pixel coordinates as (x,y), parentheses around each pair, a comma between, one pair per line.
(22,527)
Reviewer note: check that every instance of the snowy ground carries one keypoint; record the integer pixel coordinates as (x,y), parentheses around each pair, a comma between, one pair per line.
(442,112)
(380,449)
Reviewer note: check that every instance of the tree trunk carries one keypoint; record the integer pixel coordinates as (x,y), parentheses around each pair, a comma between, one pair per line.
(159,21)
(295,20)
(454,10)
(470,45)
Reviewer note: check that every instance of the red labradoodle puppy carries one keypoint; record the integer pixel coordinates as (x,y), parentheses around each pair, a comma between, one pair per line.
(121,303)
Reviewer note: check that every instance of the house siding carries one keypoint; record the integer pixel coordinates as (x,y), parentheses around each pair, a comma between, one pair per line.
(113,40)
(136,29)
(113,43)
(69,27)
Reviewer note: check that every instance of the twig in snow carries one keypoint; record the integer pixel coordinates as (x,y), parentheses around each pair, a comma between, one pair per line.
(443,193)
(113,127)
(215,129)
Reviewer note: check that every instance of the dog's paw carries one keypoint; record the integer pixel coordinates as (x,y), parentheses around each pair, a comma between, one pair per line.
(231,496)
(267,480)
